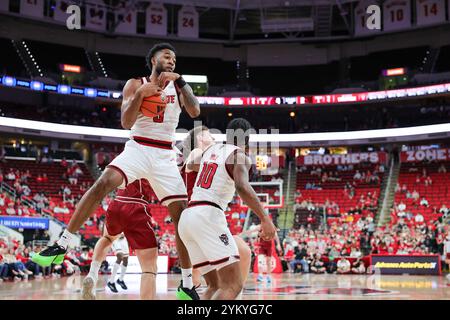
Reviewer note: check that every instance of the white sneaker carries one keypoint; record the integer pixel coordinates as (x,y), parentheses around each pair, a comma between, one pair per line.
(87,289)
(448,277)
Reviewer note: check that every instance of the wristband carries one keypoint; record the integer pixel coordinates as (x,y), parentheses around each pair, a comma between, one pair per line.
(180,82)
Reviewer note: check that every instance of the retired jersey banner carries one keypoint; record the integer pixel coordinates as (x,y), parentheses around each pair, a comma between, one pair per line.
(33,8)
(60,12)
(4,5)
(406,264)
(396,15)
(188,22)
(429,155)
(96,17)
(430,12)
(361,16)
(126,21)
(341,159)
(156,20)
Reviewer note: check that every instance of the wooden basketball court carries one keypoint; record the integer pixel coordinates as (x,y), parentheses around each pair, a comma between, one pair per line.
(283,287)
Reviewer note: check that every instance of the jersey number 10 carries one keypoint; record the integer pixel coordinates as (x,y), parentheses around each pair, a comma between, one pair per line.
(207,175)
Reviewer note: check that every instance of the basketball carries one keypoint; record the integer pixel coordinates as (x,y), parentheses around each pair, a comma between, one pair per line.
(154,105)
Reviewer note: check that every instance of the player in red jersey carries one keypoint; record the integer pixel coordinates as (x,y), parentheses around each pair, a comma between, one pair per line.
(129,213)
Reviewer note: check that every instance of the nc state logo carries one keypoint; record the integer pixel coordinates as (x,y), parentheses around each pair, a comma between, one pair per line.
(163,97)
(224,239)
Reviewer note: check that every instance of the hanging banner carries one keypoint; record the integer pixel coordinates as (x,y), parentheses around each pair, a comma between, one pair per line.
(60,14)
(95,17)
(430,12)
(428,155)
(4,5)
(126,21)
(341,159)
(34,8)
(156,22)
(361,16)
(396,15)
(188,22)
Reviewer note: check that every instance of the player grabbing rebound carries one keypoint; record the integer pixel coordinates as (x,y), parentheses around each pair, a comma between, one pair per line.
(148,154)
(203,227)
(198,140)
(129,213)
(122,252)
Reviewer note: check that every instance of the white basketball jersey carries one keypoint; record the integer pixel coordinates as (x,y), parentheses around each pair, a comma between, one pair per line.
(214,183)
(161,127)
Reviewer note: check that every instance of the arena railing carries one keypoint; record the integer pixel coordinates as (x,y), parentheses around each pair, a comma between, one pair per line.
(323,99)
(372,137)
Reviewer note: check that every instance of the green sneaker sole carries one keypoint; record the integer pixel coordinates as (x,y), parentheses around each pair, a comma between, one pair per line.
(59,259)
(181,295)
(42,261)
(46,261)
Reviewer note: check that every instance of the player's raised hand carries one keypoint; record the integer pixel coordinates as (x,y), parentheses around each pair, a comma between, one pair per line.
(165,77)
(150,89)
(268,229)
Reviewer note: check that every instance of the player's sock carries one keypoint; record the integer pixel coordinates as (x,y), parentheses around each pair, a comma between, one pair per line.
(65,239)
(116,267)
(93,270)
(123,271)
(187,278)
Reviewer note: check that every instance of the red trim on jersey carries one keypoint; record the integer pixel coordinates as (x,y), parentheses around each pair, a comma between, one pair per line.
(120,171)
(203,203)
(177,196)
(230,173)
(153,143)
(213,263)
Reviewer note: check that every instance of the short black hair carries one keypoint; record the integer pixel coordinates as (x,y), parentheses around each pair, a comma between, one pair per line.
(157,47)
(233,126)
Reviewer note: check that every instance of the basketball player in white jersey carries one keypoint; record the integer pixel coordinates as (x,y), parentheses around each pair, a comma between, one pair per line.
(223,170)
(122,252)
(148,154)
(199,139)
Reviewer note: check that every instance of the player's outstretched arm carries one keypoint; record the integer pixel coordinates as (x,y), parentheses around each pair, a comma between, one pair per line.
(132,94)
(248,194)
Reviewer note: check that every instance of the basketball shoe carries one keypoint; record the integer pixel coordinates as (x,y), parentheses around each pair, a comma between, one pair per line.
(53,254)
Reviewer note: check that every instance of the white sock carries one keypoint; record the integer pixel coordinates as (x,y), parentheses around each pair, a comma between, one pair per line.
(112,279)
(186,274)
(93,270)
(123,270)
(65,239)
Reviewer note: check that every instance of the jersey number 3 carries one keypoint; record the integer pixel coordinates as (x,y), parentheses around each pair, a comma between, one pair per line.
(207,175)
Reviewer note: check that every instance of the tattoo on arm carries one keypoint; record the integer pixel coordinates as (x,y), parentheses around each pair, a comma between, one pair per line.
(189,99)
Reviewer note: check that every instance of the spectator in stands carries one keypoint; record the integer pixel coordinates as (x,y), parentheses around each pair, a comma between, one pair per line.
(444,210)
(419,218)
(404,188)
(343,266)
(358,267)
(428,182)
(300,255)
(424,202)
(357,175)
(442,169)
(64,163)
(11,176)
(317,264)
(67,191)
(10,210)
(401,206)
(2,199)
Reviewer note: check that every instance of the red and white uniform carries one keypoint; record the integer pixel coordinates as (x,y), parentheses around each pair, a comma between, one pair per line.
(203,227)
(149,153)
(265,247)
(130,213)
